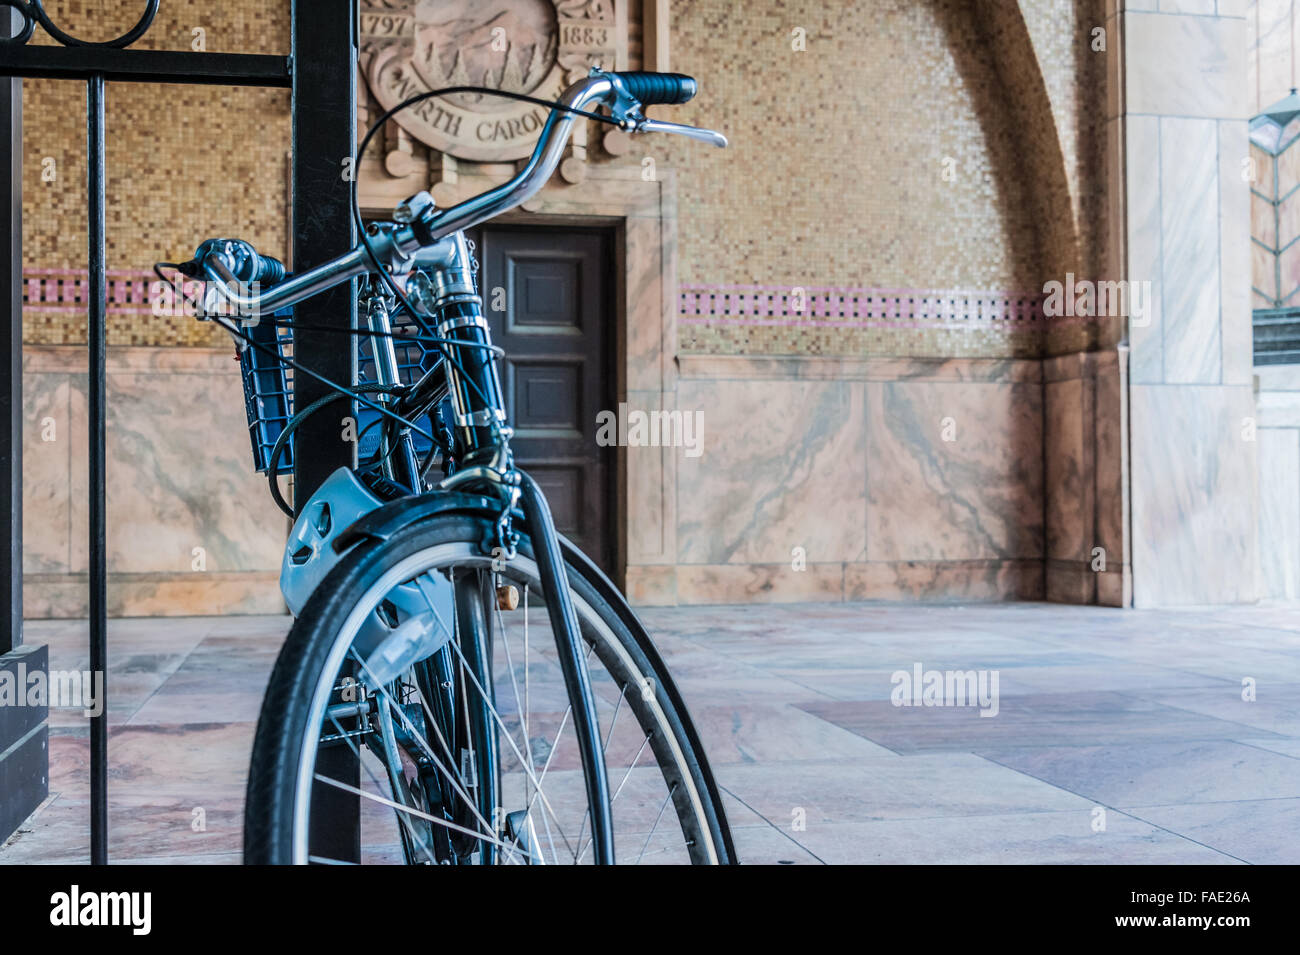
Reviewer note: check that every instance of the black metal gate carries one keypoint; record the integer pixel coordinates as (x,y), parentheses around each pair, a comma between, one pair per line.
(321,72)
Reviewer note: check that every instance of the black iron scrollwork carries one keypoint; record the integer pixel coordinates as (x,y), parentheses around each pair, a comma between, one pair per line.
(33,12)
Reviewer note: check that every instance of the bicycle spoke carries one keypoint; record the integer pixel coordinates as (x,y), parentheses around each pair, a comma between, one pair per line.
(613,720)
(623,782)
(450,769)
(339,784)
(410,728)
(356,750)
(522,707)
(651,833)
(453,779)
(466,670)
(510,739)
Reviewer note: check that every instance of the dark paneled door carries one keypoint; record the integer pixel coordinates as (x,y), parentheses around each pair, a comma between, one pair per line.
(547,294)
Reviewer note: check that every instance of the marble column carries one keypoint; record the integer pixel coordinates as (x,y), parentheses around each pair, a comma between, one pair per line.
(1193,447)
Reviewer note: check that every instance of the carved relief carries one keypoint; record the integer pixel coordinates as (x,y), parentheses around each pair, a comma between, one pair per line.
(525,46)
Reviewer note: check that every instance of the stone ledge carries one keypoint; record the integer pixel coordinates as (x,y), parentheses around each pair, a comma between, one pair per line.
(938,581)
(156,595)
(802,367)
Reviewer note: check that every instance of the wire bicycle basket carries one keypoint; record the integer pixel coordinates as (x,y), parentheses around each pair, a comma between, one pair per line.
(268,387)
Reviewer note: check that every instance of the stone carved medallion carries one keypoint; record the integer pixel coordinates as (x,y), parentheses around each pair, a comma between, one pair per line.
(525,46)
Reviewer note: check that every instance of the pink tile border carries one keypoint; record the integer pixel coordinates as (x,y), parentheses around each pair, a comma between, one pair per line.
(844,307)
(67,290)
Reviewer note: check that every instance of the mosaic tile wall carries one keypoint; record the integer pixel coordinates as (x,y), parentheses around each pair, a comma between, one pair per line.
(184,163)
(935,146)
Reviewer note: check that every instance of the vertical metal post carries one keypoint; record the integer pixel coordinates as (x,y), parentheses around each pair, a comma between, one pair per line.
(97,406)
(24,730)
(324,139)
(11,385)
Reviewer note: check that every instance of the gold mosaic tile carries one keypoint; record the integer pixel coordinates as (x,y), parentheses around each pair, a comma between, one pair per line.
(184,162)
(916,145)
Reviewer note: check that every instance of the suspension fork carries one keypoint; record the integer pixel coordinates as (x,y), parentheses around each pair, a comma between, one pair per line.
(445,286)
(448,290)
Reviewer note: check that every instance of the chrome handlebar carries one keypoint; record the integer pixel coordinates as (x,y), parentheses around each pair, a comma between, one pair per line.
(395,248)
(541,165)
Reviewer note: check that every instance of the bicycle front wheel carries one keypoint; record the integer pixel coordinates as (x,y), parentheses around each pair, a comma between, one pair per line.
(418,713)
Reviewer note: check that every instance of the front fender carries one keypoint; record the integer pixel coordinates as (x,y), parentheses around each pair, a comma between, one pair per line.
(386,520)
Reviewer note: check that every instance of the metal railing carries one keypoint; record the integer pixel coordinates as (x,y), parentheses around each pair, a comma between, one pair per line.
(321,71)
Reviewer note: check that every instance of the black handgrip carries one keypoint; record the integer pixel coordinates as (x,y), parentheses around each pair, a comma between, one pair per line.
(270,270)
(652,88)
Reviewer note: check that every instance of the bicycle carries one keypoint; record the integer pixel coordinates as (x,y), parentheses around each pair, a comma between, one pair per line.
(413,715)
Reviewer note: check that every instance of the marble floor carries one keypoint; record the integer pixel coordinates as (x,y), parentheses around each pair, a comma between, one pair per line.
(1127,737)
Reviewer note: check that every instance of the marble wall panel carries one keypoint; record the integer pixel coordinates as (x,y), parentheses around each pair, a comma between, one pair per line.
(179,477)
(845,457)
(1068,469)
(1234,255)
(1201,7)
(1278,413)
(945,580)
(1189,232)
(1194,493)
(650,501)
(783,466)
(1162,50)
(955,472)
(1144,242)
(1195,497)
(1115,584)
(1279,512)
(759,583)
(47,450)
(1085,462)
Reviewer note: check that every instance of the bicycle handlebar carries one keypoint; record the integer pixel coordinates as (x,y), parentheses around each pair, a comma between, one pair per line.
(624,93)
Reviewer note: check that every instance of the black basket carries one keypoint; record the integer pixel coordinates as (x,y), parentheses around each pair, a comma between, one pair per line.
(268,388)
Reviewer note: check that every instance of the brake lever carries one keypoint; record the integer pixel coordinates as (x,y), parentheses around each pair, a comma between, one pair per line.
(679,129)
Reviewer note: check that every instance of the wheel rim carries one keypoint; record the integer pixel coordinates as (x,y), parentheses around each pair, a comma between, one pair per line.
(535,821)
